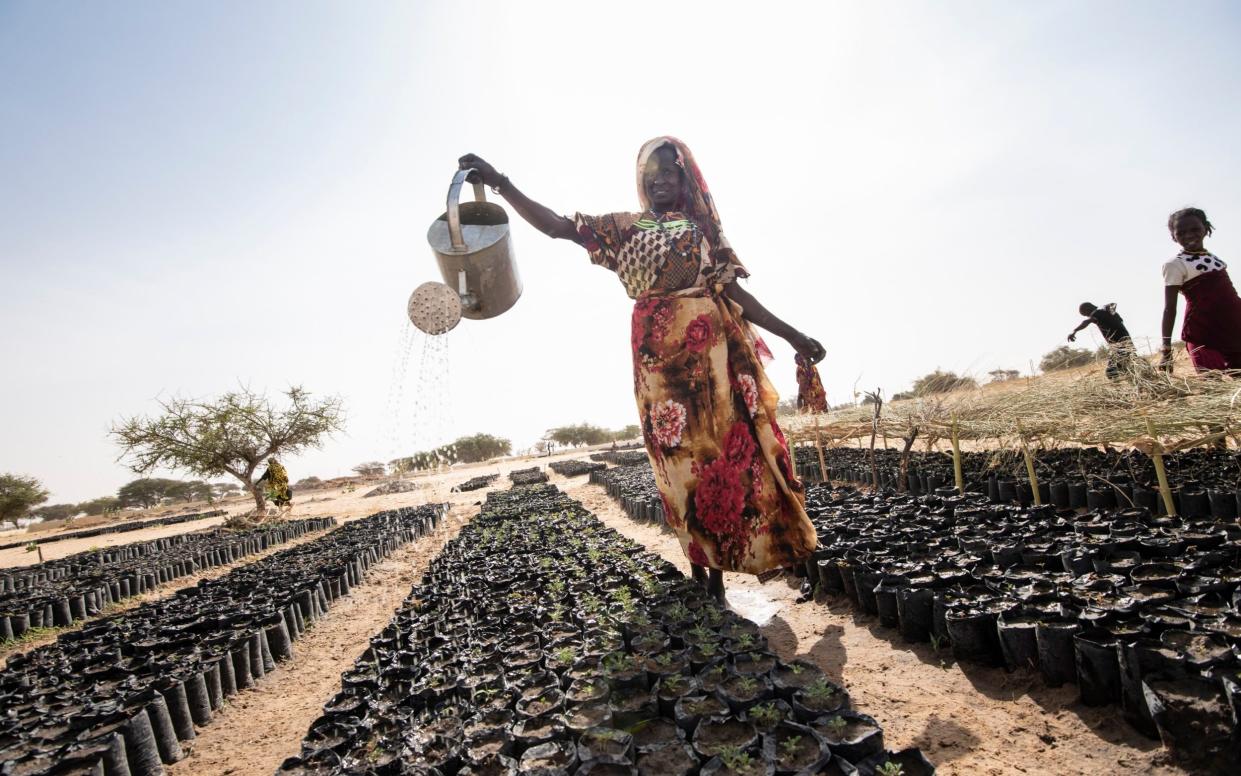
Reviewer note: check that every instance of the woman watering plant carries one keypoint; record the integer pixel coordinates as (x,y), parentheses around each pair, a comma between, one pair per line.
(707,410)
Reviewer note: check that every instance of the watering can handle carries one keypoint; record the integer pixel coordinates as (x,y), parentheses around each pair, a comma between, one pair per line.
(454,211)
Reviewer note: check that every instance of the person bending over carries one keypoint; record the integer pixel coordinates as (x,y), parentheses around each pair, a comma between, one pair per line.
(1112,327)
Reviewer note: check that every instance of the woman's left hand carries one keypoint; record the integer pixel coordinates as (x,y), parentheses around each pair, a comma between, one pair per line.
(808,347)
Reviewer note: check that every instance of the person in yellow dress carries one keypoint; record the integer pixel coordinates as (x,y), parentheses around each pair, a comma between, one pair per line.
(277,489)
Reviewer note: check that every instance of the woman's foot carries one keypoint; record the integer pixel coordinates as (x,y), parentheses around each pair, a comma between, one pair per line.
(715,586)
(698,574)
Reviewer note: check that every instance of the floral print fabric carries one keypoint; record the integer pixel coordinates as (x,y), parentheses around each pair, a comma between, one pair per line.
(654,253)
(708,415)
(708,411)
(810,394)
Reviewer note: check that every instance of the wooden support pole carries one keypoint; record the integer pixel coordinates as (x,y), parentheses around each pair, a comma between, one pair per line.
(958,474)
(818,444)
(1160,472)
(1025,450)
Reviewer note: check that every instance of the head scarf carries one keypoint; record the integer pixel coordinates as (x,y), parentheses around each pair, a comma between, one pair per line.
(696,199)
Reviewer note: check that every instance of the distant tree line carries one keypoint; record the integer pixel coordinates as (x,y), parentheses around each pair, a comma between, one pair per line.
(20,497)
(586,434)
(468,449)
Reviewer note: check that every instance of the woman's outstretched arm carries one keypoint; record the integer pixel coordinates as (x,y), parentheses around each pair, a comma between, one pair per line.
(757,314)
(539,216)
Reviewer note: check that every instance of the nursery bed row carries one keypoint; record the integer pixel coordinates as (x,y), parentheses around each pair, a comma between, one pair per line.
(627,457)
(1204,482)
(111,529)
(634,487)
(477,483)
(1137,610)
(531,476)
(118,696)
(58,592)
(576,468)
(542,642)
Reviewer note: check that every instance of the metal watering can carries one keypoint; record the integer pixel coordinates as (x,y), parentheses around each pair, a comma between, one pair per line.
(474,248)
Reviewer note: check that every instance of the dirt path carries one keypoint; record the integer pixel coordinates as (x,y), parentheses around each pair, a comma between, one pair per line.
(972,721)
(259,728)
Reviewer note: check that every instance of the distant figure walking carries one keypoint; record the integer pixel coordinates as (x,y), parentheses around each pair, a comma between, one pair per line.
(277,479)
(1212,327)
(1112,327)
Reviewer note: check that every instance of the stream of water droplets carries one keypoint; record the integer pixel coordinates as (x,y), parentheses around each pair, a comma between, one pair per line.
(418,412)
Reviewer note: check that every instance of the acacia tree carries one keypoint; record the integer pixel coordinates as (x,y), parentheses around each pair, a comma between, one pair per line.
(100,506)
(55,511)
(371,469)
(232,435)
(17,495)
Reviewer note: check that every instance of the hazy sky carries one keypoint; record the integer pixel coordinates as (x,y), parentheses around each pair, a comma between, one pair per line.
(199,195)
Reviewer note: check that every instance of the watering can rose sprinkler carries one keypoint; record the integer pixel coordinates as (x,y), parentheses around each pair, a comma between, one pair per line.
(474,248)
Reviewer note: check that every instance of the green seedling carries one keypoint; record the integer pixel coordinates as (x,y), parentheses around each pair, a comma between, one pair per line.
(797,669)
(789,745)
(708,649)
(735,759)
(664,660)
(837,725)
(820,691)
(678,611)
(564,655)
(890,769)
(745,641)
(700,634)
(936,642)
(747,685)
(765,714)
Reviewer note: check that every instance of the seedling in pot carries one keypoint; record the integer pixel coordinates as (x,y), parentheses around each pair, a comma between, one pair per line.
(836,726)
(664,660)
(796,668)
(789,746)
(765,714)
(890,769)
(936,642)
(624,598)
(564,656)
(746,641)
(700,634)
(747,685)
(735,759)
(678,611)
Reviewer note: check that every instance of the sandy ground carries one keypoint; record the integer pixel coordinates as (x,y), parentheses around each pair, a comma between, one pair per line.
(967,719)
(257,729)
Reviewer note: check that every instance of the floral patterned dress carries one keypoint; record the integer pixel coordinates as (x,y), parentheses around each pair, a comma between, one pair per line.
(707,409)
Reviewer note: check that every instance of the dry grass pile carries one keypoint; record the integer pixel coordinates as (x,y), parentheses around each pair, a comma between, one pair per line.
(1077,407)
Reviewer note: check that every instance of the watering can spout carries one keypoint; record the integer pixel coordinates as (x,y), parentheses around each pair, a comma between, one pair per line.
(473,246)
